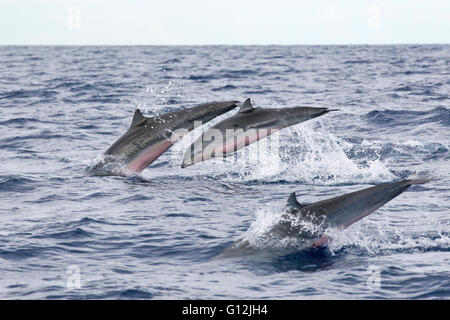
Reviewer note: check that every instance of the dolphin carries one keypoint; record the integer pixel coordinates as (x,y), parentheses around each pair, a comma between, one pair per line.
(308,223)
(148,138)
(245,127)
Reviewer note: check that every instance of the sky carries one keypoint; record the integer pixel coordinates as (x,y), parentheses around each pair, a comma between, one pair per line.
(207,22)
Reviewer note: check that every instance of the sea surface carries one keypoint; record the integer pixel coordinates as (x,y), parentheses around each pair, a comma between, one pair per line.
(70,232)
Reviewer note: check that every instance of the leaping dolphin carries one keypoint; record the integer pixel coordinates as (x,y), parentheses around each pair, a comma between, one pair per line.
(337,213)
(247,126)
(148,138)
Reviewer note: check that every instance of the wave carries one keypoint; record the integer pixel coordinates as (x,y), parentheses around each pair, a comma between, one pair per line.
(408,117)
(108,294)
(77,233)
(15,183)
(39,93)
(19,122)
(225,88)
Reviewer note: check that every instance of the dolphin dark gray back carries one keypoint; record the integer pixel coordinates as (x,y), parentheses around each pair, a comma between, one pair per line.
(345,210)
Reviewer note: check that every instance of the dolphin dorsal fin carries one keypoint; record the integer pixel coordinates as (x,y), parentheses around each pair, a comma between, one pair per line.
(246,106)
(292,201)
(137,118)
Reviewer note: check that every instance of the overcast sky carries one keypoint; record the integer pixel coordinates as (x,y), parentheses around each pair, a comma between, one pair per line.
(224,21)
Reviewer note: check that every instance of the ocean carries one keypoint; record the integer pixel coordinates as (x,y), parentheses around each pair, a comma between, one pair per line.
(70,232)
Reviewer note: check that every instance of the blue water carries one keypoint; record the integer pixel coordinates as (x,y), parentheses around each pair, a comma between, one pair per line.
(156,234)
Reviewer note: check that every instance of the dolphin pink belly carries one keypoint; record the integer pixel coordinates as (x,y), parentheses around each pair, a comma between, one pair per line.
(321,242)
(147,156)
(243,140)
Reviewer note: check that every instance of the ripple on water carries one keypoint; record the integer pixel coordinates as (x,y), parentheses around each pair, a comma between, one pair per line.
(16,183)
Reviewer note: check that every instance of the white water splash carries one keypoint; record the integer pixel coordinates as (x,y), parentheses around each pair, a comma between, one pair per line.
(375,236)
(372,236)
(107,165)
(320,157)
(157,98)
(307,153)
(267,231)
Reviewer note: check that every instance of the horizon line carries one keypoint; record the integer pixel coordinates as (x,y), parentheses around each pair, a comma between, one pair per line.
(230,45)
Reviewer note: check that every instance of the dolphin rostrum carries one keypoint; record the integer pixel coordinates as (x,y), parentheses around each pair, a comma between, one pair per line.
(148,138)
(308,223)
(245,127)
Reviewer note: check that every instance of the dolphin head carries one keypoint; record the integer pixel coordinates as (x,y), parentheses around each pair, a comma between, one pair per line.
(291,116)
